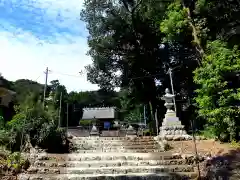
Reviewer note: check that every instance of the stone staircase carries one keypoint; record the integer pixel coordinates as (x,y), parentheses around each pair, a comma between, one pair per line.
(115,158)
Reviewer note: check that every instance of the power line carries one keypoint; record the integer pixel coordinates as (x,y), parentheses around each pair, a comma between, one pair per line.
(38,77)
(64,74)
(140,77)
(81,73)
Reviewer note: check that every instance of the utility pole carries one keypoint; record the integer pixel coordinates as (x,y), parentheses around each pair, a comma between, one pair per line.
(144,115)
(45,87)
(24,124)
(156,121)
(174,100)
(194,140)
(67,115)
(60,110)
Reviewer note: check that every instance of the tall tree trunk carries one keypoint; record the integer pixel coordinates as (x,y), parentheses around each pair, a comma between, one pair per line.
(195,34)
(152,112)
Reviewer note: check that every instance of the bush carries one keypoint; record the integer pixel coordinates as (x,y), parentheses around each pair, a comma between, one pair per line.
(147,132)
(53,139)
(208,132)
(85,122)
(235,144)
(2,123)
(5,137)
(40,126)
(12,163)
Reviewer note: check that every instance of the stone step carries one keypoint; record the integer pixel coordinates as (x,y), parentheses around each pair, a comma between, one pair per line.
(144,138)
(112,170)
(108,163)
(129,176)
(108,147)
(112,140)
(114,143)
(119,150)
(109,156)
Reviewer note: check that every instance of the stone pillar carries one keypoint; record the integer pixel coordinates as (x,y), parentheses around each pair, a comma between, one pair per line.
(172,128)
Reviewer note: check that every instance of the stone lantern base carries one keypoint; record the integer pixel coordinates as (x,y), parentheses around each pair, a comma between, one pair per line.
(172,128)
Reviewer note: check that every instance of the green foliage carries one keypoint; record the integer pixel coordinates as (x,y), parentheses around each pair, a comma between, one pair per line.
(84,122)
(41,125)
(1,122)
(209,132)
(5,83)
(124,45)
(235,144)
(25,87)
(176,22)
(200,6)
(12,162)
(148,132)
(16,161)
(135,115)
(6,137)
(217,98)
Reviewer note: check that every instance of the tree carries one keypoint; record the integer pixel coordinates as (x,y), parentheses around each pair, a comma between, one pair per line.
(56,89)
(5,83)
(78,100)
(135,115)
(222,19)
(124,38)
(218,96)
(25,87)
(40,125)
(199,25)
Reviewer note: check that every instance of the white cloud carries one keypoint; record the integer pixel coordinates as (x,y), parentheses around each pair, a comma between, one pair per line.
(27,50)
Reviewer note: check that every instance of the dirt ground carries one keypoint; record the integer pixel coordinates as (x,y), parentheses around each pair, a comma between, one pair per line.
(225,159)
(203,147)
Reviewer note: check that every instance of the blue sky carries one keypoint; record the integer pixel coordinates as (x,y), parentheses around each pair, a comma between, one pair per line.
(35,34)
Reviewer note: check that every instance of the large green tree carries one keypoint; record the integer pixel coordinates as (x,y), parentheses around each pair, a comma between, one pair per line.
(25,87)
(205,26)
(124,41)
(218,97)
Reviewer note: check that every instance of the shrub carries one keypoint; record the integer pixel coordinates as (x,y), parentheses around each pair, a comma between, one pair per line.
(6,138)
(147,132)
(12,162)
(53,139)
(85,122)
(208,132)
(40,125)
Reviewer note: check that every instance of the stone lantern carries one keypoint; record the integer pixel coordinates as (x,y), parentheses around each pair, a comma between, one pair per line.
(130,132)
(94,131)
(172,128)
(116,124)
(168,98)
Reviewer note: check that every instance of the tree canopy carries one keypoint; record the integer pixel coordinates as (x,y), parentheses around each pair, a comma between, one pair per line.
(134,43)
